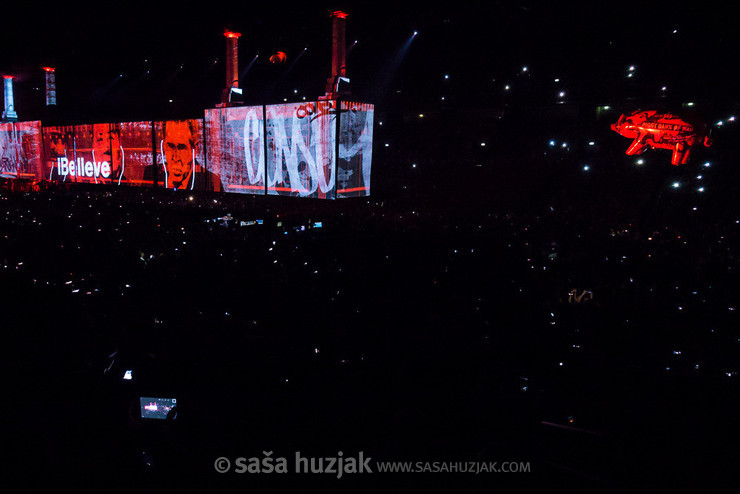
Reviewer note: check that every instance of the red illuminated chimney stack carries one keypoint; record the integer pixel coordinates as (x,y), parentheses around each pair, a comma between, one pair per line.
(338,83)
(232,66)
(51,86)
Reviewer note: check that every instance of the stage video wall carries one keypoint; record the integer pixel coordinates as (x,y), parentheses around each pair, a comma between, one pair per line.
(298,149)
(355,149)
(181,156)
(119,153)
(236,151)
(20,150)
(301,141)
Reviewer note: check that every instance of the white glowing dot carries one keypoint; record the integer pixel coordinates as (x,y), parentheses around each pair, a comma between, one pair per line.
(586,168)
(676,185)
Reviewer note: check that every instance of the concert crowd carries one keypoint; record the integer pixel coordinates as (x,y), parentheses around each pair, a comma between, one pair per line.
(497,297)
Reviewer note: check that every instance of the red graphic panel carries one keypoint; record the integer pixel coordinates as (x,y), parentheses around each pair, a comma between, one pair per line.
(92,154)
(132,156)
(59,151)
(119,153)
(301,141)
(180,156)
(21,150)
(660,130)
(236,148)
(355,149)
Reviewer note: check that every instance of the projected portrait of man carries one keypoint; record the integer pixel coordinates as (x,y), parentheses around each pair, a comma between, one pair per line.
(57,149)
(107,147)
(179,148)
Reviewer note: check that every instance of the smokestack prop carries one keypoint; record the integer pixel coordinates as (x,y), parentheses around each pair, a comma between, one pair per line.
(232,67)
(9,113)
(338,83)
(51,86)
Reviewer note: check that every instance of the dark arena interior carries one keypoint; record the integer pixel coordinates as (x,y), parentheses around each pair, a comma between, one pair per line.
(518,305)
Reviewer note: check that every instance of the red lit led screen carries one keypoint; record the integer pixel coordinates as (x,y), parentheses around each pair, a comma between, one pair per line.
(119,153)
(355,149)
(236,148)
(20,150)
(180,160)
(131,145)
(301,141)
(59,151)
